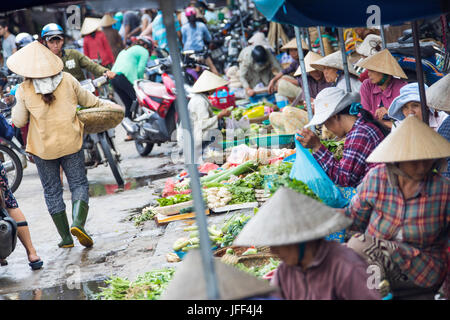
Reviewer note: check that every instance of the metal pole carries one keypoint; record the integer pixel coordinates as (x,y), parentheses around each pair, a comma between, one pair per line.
(344,59)
(212,289)
(308,39)
(419,72)
(322,48)
(383,38)
(304,75)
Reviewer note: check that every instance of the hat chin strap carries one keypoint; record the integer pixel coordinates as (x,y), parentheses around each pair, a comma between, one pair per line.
(383,80)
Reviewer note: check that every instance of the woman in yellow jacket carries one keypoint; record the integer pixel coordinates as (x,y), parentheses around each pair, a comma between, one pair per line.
(48,100)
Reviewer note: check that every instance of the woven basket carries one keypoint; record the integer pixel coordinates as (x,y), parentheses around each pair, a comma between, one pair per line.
(238,250)
(100,119)
(253,260)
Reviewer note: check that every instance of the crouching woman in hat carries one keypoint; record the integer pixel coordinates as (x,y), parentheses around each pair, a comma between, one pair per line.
(48,100)
(402,210)
(342,114)
(201,112)
(312,268)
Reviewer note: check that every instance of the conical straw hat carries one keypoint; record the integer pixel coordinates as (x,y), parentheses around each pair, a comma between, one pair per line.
(189,282)
(438,95)
(208,81)
(289,217)
(35,61)
(383,62)
(90,25)
(412,140)
(311,57)
(107,21)
(334,60)
(293,45)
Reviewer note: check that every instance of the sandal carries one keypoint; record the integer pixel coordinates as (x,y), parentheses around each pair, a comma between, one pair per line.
(3,262)
(128,138)
(35,265)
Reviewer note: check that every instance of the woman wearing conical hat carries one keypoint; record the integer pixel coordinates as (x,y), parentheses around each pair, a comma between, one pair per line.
(438,98)
(383,85)
(95,44)
(401,210)
(113,36)
(408,103)
(333,70)
(48,100)
(312,268)
(201,113)
(316,78)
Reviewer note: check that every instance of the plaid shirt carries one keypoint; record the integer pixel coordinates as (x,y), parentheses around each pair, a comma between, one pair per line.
(418,225)
(359,144)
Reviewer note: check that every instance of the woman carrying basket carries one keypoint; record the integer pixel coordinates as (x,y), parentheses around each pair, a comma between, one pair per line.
(48,100)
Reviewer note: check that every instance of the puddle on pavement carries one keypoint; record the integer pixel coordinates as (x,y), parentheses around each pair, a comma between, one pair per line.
(85,291)
(97,188)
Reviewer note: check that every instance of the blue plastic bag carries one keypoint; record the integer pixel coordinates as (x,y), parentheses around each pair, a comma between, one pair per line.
(309,171)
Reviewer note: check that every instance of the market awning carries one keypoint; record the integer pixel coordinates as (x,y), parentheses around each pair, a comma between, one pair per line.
(348,13)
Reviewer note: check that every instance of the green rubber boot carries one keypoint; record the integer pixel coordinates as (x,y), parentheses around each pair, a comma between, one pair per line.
(79,214)
(62,225)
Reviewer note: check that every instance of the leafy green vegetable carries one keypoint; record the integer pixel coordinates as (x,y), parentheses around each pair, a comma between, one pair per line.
(178,198)
(241,194)
(231,229)
(336,147)
(146,214)
(148,286)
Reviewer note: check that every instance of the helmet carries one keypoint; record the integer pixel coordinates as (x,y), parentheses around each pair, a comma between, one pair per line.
(23,38)
(190,11)
(259,55)
(51,29)
(147,40)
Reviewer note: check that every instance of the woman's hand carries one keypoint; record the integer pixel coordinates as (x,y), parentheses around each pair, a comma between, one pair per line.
(250,92)
(224,113)
(110,74)
(380,112)
(271,87)
(309,139)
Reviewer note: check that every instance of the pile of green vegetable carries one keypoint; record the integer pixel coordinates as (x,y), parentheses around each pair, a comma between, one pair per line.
(241,194)
(336,147)
(231,228)
(178,198)
(214,179)
(277,175)
(259,271)
(148,286)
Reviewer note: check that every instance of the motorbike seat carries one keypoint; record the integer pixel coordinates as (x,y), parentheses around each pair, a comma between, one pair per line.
(153,89)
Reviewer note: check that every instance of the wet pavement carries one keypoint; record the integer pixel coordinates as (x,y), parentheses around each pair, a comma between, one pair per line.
(120,248)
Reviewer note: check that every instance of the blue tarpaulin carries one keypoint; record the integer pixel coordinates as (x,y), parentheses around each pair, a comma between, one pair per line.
(348,13)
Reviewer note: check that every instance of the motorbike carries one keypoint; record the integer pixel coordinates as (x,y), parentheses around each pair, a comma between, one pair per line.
(190,62)
(435,58)
(154,113)
(100,148)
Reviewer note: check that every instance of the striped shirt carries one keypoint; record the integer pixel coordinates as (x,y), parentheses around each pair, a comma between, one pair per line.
(359,144)
(419,225)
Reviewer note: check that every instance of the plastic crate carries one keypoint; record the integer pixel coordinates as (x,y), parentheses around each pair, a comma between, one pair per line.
(281,140)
